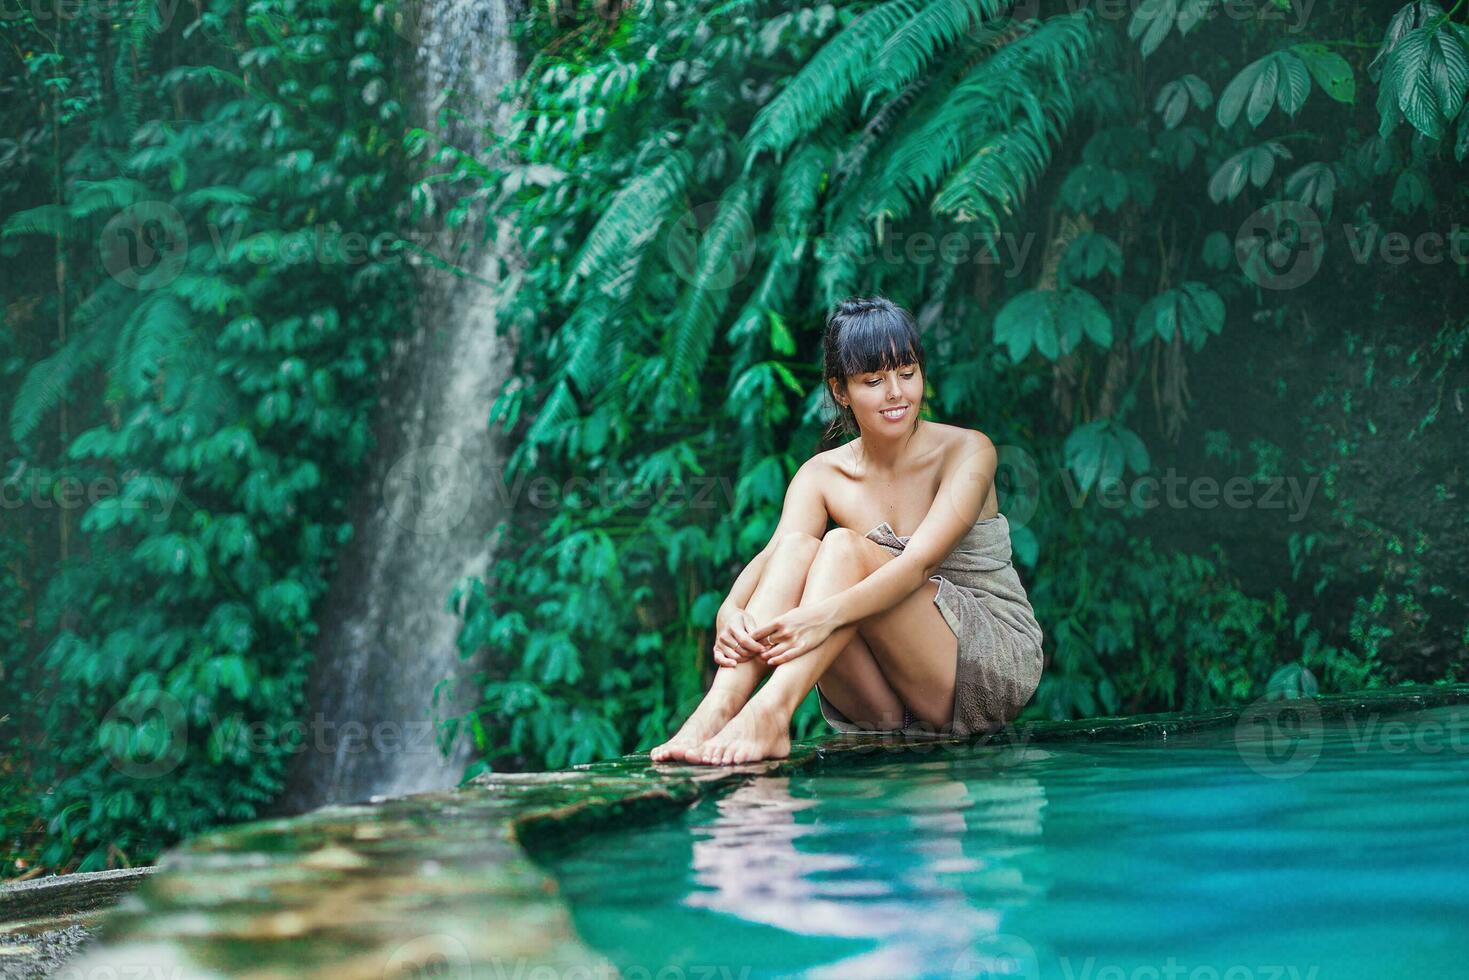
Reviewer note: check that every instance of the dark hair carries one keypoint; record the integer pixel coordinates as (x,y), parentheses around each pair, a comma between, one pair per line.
(865,335)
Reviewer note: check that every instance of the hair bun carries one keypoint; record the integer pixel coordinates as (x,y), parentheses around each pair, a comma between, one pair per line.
(858,305)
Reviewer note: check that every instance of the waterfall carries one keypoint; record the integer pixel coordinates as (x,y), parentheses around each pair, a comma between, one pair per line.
(424,514)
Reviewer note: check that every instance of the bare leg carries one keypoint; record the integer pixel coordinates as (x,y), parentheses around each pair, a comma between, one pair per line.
(761,730)
(779,589)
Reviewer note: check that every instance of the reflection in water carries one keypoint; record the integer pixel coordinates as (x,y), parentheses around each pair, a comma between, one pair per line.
(1338,853)
(767,859)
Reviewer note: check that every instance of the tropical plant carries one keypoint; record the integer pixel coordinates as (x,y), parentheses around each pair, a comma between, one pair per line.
(195,340)
(697,187)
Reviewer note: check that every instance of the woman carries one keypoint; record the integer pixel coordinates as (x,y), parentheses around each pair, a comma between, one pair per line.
(925,631)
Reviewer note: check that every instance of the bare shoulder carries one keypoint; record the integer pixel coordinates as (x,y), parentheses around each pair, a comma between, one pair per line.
(830,464)
(961,443)
(824,466)
(971,456)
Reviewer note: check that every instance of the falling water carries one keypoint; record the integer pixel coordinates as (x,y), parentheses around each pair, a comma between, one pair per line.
(425,512)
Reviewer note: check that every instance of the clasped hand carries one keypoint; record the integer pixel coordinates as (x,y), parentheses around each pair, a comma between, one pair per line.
(787,636)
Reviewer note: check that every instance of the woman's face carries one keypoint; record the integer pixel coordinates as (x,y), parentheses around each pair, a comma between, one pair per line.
(886,401)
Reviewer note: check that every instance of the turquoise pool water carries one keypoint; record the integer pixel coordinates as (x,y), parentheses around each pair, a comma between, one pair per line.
(1279,848)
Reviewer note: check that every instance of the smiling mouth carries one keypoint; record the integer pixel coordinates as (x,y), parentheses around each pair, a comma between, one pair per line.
(894,413)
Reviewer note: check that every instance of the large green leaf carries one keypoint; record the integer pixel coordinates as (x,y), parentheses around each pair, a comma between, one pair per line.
(1174,98)
(1098,453)
(1280,77)
(1252,165)
(1331,71)
(1313,185)
(1052,321)
(1193,310)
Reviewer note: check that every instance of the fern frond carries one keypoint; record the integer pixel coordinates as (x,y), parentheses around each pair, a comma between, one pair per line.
(855,156)
(157,331)
(46,382)
(824,84)
(936,27)
(635,209)
(558,407)
(1009,163)
(688,343)
(858,189)
(212,195)
(774,294)
(48,219)
(209,73)
(1014,99)
(798,189)
(205,293)
(109,300)
(112,194)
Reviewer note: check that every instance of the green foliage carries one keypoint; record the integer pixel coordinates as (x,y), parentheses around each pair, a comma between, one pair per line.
(697,184)
(209,382)
(691,186)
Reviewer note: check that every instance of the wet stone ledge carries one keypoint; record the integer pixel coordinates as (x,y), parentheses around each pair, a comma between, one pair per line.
(442,884)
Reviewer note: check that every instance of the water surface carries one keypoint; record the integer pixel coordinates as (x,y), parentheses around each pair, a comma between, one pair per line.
(1314,851)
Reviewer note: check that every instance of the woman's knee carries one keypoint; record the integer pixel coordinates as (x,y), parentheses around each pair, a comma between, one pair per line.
(842,542)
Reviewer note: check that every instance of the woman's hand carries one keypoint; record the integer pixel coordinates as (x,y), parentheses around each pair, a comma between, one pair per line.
(733,644)
(794,632)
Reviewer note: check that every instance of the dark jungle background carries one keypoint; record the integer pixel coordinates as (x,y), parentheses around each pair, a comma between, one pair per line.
(1212,244)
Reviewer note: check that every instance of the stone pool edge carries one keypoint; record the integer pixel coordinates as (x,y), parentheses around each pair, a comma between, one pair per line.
(517,818)
(685,785)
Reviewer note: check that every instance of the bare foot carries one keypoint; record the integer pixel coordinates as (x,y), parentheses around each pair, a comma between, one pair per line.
(709,717)
(753,734)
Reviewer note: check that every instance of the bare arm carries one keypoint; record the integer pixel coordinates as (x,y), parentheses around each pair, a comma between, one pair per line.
(744,585)
(803,510)
(962,491)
